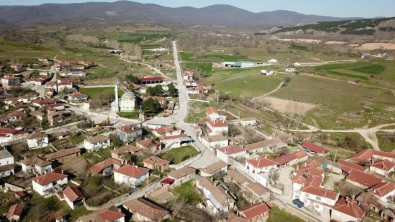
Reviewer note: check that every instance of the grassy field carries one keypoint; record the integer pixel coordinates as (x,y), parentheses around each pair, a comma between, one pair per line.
(342,105)
(187,192)
(131,115)
(298,47)
(204,66)
(197,111)
(233,73)
(276,215)
(361,71)
(178,155)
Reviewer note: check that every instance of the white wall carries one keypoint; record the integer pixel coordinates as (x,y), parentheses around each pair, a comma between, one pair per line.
(217,144)
(379,171)
(7,161)
(129,181)
(41,189)
(37,142)
(96,146)
(339,216)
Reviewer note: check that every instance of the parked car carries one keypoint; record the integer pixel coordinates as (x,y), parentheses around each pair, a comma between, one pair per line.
(298,203)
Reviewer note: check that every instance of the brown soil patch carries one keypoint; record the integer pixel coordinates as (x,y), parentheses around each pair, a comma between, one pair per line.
(300,40)
(375,46)
(335,43)
(286,106)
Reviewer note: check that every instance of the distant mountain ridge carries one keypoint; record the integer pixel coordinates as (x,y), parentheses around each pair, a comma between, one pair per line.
(127,11)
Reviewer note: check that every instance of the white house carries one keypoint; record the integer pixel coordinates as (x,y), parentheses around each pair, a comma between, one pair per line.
(216,141)
(96,143)
(319,197)
(73,197)
(227,152)
(211,169)
(249,122)
(290,70)
(382,167)
(383,191)
(12,135)
(216,198)
(346,210)
(217,127)
(175,141)
(37,140)
(167,131)
(188,75)
(36,165)
(129,133)
(130,175)
(272,61)
(259,165)
(213,114)
(48,183)
(6,163)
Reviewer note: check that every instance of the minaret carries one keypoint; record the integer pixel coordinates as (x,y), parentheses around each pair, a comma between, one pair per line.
(116,96)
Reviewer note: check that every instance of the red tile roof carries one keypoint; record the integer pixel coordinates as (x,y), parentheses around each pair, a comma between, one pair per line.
(15,210)
(362,178)
(229,150)
(286,158)
(382,189)
(98,167)
(261,162)
(48,178)
(367,154)
(111,216)
(148,143)
(211,110)
(300,154)
(154,160)
(383,164)
(167,129)
(4,132)
(150,79)
(347,166)
(216,123)
(262,144)
(313,147)
(174,137)
(321,192)
(126,149)
(181,172)
(255,210)
(129,128)
(73,193)
(132,171)
(352,208)
(77,95)
(146,209)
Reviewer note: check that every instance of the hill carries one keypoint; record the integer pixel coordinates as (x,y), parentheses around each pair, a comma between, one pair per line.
(92,13)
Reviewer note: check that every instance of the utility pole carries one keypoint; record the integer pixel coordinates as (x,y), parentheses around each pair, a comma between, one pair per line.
(334,159)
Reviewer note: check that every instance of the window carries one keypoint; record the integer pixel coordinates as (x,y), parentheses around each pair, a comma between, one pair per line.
(307,195)
(318,198)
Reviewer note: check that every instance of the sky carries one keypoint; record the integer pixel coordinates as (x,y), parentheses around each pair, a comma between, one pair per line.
(336,8)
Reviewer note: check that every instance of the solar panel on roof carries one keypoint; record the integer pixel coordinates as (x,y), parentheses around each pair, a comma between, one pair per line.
(304,175)
(362,207)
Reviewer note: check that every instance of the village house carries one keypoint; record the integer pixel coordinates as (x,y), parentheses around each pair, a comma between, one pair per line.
(211,169)
(215,141)
(6,163)
(77,97)
(10,80)
(382,167)
(12,135)
(175,141)
(310,175)
(96,143)
(189,84)
(149,144)
(178,177)
(156,163)
(267,145)
(258,191)
(347,166)
(320,198)
(198,89)
(3,91)
(36,165)
(188,75)
(65,155)
(105,167)
(213,114)
(73,196)
(131,175)
(257,167)
(64,85)
(43,102)
(129,133)
(112,214)
(37,140)
(148,80)
(14,116)
(383,191)
(144,210)
(60,135)
(217,127)
(49,183)
(167,131)
(15,212)
(225,153)
(256,212)
(249,122)
(292,158)
(368,155)
(216,197)
(36,81)
(362,179)
(28,98)
(347,209)
(313,148)
(128,149)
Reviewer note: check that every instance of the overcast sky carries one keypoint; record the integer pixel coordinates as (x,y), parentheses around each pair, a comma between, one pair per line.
(337,8)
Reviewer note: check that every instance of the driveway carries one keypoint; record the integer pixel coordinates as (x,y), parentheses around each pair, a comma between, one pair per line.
(285,179)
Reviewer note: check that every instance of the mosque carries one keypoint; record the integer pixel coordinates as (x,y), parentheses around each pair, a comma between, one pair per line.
(126,103)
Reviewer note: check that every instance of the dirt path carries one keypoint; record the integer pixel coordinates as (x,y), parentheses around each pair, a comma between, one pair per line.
(271,92)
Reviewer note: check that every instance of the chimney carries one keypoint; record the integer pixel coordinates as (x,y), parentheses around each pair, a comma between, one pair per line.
(62,171)
(226,150)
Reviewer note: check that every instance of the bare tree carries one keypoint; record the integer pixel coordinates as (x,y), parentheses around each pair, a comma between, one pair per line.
(347,189)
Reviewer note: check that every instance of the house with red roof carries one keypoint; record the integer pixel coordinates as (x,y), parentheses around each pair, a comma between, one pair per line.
(77,97)
(259,169)
(178,177)
(382,167)
(37,140)
(257,212)
(217,127)
(213,114)
(149,144)
(131,175)
(49,183)
(14,116)
(292,158)
(367,155)
(175,141)
(156,163)
(128,149)
(167,131)
(383,191)
(73,196)
(12,135)
(320,198)
(347,209)
(314,148)
(150,80)
(106,166)
(228,152)
(347,166)
(15,212)
(107,215)
(144,210)
(129,133)
(10,80)
(362,179)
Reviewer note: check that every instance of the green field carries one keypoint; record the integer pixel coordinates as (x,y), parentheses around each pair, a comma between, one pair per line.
(341,104)
(178,155)
(204,66)
(187,192)
(352,71)
(276,215)
(298,47)
(94,93)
